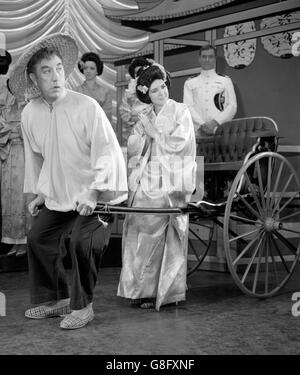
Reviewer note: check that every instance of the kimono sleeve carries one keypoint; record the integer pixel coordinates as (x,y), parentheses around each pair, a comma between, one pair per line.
(177,155)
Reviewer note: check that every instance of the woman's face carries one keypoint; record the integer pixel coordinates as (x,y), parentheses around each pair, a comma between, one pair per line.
(158,93)
(90,70)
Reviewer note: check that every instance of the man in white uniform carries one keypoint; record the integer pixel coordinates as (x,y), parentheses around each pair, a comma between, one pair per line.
(72,161)
(210,97)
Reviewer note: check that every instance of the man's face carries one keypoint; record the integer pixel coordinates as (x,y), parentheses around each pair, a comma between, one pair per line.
(207,59)
(49,76)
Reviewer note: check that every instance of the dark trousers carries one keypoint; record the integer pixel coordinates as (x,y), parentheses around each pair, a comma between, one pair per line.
(87,240)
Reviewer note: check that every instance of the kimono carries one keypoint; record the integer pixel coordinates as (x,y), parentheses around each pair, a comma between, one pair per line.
(15,216)
(100,94)
(161,174)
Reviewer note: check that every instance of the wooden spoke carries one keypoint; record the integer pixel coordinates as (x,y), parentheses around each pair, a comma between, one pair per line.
(282,194)
(230,231)
(266,264)
(198,237)
(290,230)
(269,237)
(202,225)
(244,235)
(276,185)
(193,248)
(281,256)
(200,252)
(245,250)
(255,213)
(288,244)
(287,202)
(268,183)
(260,210)
(290,216)
(261,188)
(252,259)
(257,267)
(244,220)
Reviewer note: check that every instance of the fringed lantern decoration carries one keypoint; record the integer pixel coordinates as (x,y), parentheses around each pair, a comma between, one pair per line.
(240,54)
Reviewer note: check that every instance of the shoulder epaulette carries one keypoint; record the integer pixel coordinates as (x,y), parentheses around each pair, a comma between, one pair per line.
(194,76)
(223,75)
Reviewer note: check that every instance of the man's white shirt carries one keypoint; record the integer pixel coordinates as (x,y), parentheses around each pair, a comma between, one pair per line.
(69,149)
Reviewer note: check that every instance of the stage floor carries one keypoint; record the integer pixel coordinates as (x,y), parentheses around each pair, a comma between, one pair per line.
(215,319)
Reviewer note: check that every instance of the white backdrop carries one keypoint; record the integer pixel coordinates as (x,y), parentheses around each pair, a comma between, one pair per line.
(25,21)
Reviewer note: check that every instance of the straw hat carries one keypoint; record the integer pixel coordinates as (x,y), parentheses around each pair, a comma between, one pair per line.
(19,81)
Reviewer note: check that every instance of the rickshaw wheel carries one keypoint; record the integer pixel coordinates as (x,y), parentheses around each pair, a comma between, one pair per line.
(198,251)
(262,207)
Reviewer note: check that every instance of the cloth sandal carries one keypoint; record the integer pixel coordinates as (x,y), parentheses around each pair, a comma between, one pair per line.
(74,322)
(43,312)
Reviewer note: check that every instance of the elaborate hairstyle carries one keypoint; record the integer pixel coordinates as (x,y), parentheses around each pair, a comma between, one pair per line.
(147,77)
(5,61)
(91,56)
(138,62)
(207,47)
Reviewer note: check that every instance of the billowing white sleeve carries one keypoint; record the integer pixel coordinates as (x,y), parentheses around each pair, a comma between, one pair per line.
(107,160)
(33,159)
(177,155)
(189,101)
(230,106)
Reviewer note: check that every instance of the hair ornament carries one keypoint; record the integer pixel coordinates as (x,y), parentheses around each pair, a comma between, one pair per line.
(144,89)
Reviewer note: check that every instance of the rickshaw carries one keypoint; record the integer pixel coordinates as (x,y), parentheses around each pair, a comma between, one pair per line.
(252,192)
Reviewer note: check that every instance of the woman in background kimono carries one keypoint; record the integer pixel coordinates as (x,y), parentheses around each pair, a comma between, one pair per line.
(15,216)
(161,174)
(91,66)
(131,106)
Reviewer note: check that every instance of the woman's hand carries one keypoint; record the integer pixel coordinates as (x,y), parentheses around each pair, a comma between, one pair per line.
(147,124)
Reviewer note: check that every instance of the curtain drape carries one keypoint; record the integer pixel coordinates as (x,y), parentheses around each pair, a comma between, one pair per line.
(23,22)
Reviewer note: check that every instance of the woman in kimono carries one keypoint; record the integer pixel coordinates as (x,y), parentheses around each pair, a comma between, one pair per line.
(91,66)
(15,216)
(161,174)
(131,106)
